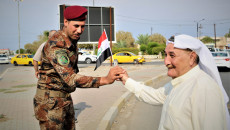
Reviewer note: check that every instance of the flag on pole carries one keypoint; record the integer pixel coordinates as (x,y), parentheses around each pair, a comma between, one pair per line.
(104,50)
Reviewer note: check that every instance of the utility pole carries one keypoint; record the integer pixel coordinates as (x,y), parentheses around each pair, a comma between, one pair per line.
(197,27)
(151,30)
(18,26)
(197,30)
(215,33)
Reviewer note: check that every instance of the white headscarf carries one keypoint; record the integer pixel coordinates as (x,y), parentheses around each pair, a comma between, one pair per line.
(206,62)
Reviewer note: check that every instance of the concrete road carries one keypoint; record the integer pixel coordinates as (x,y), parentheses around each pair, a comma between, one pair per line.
(136,115)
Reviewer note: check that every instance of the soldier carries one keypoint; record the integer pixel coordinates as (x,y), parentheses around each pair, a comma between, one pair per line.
(53,104)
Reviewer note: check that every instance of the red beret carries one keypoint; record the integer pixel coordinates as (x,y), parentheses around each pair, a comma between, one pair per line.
(75,13)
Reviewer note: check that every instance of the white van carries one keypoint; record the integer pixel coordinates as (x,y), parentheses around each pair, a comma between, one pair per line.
(4,59)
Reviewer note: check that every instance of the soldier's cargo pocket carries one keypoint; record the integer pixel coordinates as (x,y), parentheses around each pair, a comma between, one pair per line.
(41,108)
(58,113)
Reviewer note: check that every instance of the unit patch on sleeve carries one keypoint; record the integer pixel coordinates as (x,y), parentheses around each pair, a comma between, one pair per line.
(62,57)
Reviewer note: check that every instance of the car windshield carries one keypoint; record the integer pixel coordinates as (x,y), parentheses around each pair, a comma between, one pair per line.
(30,56)
(220,54)
(3,56)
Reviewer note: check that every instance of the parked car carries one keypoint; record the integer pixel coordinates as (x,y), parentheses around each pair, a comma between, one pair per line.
(227,50)
(4,59)
(23,59)
(127,57)
(86,57)
(222,59)
(215,49)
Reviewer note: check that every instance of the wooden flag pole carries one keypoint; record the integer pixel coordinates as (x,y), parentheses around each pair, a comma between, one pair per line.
(110,10)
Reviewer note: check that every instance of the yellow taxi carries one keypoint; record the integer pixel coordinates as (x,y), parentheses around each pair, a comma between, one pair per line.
(127,57)
(23,59)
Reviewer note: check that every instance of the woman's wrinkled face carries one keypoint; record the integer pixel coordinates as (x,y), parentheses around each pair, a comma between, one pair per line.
(178,61)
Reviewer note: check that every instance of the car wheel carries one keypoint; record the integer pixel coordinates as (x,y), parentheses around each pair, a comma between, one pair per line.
(135,61)
(115,62)
(15,63)
(30,64)
(88,61)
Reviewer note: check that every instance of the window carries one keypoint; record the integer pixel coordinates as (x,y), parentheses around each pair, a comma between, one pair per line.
(220,54)
(30,56)
(19,56)
(3,56)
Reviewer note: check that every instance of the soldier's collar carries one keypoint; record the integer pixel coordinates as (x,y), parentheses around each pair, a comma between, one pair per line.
(67,40)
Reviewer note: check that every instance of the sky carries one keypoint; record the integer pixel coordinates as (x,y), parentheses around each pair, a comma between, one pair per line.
(166,17)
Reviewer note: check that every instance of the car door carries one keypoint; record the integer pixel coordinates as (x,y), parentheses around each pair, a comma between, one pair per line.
(18,59)
(124,57)
(81,56)
(24,59)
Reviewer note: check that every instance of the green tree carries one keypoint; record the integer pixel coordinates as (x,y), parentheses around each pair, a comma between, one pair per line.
(143,39)
(123,37)
(22,51)
(120,44)
(158,38)
(207,39)
(32,47)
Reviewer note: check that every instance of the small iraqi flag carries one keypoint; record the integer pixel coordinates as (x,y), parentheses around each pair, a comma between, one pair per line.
(104,50)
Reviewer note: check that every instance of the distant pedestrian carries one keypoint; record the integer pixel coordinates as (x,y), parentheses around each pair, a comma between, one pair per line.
(59,76)
(38,54)
(195,98)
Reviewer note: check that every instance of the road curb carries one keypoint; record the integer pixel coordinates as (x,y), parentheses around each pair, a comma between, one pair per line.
(111,114)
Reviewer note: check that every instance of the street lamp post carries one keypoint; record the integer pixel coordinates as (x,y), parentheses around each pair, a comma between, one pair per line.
(18,26)
(197,27)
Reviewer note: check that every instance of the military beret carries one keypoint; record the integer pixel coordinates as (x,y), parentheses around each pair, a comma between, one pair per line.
(75,13)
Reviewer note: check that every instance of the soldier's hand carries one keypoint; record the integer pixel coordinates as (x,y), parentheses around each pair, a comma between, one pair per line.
(36,74)
(114,74)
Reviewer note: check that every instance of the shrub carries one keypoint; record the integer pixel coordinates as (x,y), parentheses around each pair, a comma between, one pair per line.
(156,50)
(143,48)
(133,50)
(150,46)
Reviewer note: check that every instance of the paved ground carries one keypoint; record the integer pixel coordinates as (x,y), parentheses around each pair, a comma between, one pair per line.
(18,85)
(138,115)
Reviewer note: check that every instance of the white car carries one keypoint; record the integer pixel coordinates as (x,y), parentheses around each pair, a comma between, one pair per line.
(86,57)
(4,59)
(222,59)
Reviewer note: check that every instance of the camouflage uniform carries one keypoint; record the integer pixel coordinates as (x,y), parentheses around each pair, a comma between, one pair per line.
(53,104)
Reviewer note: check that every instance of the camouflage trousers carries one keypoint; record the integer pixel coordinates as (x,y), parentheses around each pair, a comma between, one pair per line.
(54,113)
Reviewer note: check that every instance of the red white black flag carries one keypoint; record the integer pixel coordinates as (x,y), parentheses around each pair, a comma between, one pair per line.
(104,50)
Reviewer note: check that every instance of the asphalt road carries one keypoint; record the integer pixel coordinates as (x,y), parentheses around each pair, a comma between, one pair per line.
(225,77)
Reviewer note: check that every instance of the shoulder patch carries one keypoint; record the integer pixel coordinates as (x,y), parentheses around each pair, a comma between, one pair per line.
(62,57)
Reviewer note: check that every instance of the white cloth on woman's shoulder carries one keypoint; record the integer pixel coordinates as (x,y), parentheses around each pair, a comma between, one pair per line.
(38,53)
(193,101)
